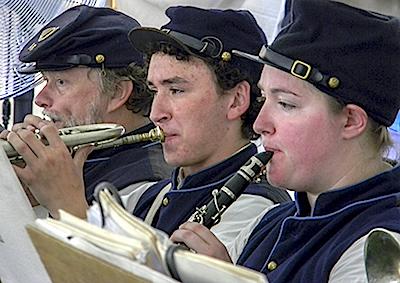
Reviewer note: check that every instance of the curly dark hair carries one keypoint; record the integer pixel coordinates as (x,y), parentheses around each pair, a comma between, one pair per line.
(141,97)
(227,78)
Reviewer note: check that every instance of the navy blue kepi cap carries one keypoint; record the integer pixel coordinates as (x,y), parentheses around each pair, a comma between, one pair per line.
(82,35)
(208,34)
(348,53)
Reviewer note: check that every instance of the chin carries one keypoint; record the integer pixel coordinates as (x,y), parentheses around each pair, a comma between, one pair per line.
(276,180)
(171,160)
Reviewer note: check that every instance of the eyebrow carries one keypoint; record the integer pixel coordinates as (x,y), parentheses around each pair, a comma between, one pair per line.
(173,80)
(280,90)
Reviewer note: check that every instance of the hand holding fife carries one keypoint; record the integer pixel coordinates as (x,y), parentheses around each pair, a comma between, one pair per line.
(52,175)
(31,123)
(200,239)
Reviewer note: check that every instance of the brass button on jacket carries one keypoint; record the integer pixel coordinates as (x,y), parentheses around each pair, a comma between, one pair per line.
(165,201)
(272,265)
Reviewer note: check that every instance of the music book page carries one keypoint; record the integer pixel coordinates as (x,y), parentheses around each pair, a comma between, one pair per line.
(71,240)
(80,261)
(190,266)
(19,261)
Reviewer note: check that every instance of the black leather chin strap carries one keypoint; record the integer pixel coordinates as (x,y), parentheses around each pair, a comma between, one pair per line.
(207,47)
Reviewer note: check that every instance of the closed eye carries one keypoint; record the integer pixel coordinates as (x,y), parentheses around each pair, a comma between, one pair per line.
(286,106)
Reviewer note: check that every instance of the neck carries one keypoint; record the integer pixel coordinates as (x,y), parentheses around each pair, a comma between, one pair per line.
(133,124)
(354,174)
(130,121)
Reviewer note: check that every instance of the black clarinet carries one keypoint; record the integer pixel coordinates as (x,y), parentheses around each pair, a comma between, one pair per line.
(210,214)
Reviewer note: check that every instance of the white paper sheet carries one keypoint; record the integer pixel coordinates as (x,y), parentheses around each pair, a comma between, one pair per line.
(19,261)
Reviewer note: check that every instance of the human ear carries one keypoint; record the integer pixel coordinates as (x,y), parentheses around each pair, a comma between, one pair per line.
(356,120)
(240,100)
(122,93)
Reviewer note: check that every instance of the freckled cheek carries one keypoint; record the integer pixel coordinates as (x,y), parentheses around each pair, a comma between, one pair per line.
(200,111)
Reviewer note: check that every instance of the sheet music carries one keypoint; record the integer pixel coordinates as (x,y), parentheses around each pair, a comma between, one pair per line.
(19,261)
(206,269)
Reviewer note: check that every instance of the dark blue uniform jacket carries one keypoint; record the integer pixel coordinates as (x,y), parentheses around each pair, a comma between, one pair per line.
(306,246)
(179,204)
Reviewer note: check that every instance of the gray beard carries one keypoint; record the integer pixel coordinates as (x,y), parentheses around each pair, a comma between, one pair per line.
(94,116)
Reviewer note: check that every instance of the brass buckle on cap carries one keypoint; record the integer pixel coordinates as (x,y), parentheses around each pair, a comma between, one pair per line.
(305,65)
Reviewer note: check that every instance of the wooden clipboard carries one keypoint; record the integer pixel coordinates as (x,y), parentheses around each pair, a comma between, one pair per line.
(67,264)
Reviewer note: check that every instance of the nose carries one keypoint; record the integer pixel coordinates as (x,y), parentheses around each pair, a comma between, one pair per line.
(43,98)
(160,109)
(264,125)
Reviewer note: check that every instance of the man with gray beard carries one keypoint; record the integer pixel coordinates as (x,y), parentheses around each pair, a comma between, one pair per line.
(92,75)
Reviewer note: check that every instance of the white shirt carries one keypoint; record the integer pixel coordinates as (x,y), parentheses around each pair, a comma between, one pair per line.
(238,215)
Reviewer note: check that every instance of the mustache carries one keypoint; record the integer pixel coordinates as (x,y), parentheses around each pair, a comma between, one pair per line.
(53,117)
(57,118)
(69,121)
